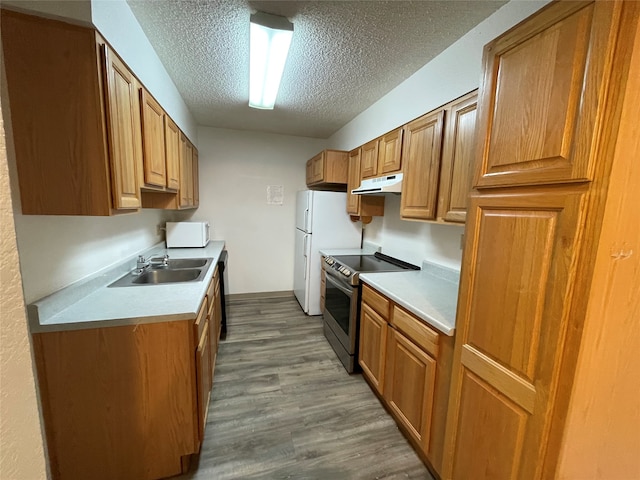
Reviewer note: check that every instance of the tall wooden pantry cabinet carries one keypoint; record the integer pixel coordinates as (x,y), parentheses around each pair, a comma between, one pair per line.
(545,360)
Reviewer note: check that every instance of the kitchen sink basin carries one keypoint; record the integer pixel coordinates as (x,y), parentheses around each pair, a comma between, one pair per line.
(187,263)
(156,277)
(180,270)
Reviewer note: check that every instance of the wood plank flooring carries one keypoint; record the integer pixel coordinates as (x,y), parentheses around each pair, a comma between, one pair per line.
(283,407)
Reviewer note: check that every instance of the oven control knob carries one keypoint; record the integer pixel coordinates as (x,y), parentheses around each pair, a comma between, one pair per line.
(347,272)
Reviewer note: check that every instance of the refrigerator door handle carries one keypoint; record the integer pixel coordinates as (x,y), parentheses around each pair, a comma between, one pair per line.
(306,261)
(306,222)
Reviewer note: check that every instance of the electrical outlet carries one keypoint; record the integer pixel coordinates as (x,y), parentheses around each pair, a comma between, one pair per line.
(159,230)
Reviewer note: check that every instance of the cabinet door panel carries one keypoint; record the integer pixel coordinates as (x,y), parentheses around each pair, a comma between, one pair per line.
(195,177)
(118,402)
(373,336)
(369,159)
(172,147)
(203,369)
(186,172)
(489,445)
(353,182)
(318,168)
(523,246)
(409,386)
(390,152)
(422,167)
(153,144)
(458,160)
(122,137)
(309,171)
(541,91)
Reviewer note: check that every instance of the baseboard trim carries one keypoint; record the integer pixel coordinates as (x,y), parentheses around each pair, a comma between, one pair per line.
(255,295)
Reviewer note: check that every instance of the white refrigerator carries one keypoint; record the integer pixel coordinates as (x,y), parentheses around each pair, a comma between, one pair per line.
(322,223)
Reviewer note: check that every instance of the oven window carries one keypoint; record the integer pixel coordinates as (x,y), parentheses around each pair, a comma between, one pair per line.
(338,304)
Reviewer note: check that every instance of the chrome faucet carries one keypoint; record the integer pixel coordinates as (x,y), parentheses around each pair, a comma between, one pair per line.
(157,262)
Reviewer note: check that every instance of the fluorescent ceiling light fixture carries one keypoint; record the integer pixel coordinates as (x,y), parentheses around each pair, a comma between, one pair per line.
(270,41)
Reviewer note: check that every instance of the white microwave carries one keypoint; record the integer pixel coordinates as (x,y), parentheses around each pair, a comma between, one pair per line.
(187,234)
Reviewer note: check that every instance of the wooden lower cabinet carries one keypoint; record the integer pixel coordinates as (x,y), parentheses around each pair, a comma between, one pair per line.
(126,402)
(204,369)
(373,338)
(410,376)
(408,365)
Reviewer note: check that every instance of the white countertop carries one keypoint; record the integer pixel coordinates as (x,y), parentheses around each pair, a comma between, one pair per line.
(431,293)
(90,303)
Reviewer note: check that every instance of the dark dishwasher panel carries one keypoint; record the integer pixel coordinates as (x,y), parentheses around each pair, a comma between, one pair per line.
(224,284)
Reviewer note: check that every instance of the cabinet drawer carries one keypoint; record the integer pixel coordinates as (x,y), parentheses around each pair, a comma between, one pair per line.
(416,330)
(201,319)
(376,301)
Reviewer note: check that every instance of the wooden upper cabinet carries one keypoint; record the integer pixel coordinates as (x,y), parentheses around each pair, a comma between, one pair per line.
(540,87)
(383,155)
(423,144)
(187,176)
(369,159)
(172,149)
(153,141)
(361,207)
(123,132)
(73,154)
(186,173)
(456,178)
(195,179)
(353,182)
(390,152)
(328,171)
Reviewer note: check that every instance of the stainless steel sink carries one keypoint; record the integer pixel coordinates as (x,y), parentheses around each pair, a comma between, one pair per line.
(187,263)
(177,271)
(156,277)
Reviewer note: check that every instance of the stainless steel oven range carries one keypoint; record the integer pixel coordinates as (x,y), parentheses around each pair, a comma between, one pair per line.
(342,299)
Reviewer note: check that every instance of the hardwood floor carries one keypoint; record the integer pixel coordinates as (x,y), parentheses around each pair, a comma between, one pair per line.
(284,407)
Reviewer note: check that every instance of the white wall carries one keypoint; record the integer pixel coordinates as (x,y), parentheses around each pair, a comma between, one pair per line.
(451,74)
(235,169)
(414,241)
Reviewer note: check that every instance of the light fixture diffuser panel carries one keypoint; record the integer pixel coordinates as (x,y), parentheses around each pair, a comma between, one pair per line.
(269,48)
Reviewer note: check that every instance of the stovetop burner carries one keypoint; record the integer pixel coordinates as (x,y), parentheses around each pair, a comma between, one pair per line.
(351,266)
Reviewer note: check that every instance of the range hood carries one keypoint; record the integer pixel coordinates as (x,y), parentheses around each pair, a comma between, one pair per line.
(386,184)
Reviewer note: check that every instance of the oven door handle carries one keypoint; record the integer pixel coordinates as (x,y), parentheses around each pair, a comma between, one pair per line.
(346,290)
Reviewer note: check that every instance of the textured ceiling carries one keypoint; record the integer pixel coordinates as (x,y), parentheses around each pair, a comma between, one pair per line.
(344,56)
